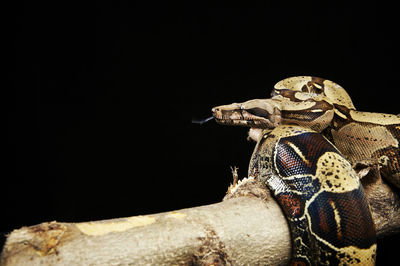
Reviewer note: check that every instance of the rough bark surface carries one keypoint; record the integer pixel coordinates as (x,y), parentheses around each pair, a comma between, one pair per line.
(248,227)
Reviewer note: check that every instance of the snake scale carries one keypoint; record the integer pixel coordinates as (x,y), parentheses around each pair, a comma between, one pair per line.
(312,136)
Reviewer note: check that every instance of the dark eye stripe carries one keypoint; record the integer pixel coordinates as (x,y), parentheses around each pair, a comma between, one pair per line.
(258,112)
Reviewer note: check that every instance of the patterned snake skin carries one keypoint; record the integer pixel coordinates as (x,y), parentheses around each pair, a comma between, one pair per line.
(313,135)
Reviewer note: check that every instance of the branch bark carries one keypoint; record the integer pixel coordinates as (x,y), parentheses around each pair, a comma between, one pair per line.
(247,227)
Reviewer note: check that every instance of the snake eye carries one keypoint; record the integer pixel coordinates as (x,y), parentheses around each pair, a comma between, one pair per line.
(258,112)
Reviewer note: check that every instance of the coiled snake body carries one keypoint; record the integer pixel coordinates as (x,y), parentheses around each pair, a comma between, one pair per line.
(312,136)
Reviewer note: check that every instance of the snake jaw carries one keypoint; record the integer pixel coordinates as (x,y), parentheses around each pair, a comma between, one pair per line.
(254,113)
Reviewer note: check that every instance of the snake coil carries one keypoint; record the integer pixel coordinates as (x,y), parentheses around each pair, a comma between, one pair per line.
(312,136)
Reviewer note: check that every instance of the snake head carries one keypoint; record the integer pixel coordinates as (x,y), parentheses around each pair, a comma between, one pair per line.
(258,113)
(309,112)
(305,101)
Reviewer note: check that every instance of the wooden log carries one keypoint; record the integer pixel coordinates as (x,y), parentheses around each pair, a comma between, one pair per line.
(248,227)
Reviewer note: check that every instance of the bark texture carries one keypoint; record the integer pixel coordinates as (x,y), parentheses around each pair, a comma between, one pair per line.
(248,227)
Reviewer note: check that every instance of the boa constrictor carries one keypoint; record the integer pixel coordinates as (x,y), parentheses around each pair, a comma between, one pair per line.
(312,135)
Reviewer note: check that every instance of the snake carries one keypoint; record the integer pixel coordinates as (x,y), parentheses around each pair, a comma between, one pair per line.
(312,137)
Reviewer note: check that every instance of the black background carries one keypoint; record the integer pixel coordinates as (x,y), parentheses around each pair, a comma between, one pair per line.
(100,97)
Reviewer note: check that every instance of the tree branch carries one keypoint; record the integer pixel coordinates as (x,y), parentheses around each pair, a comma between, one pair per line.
(248,227)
